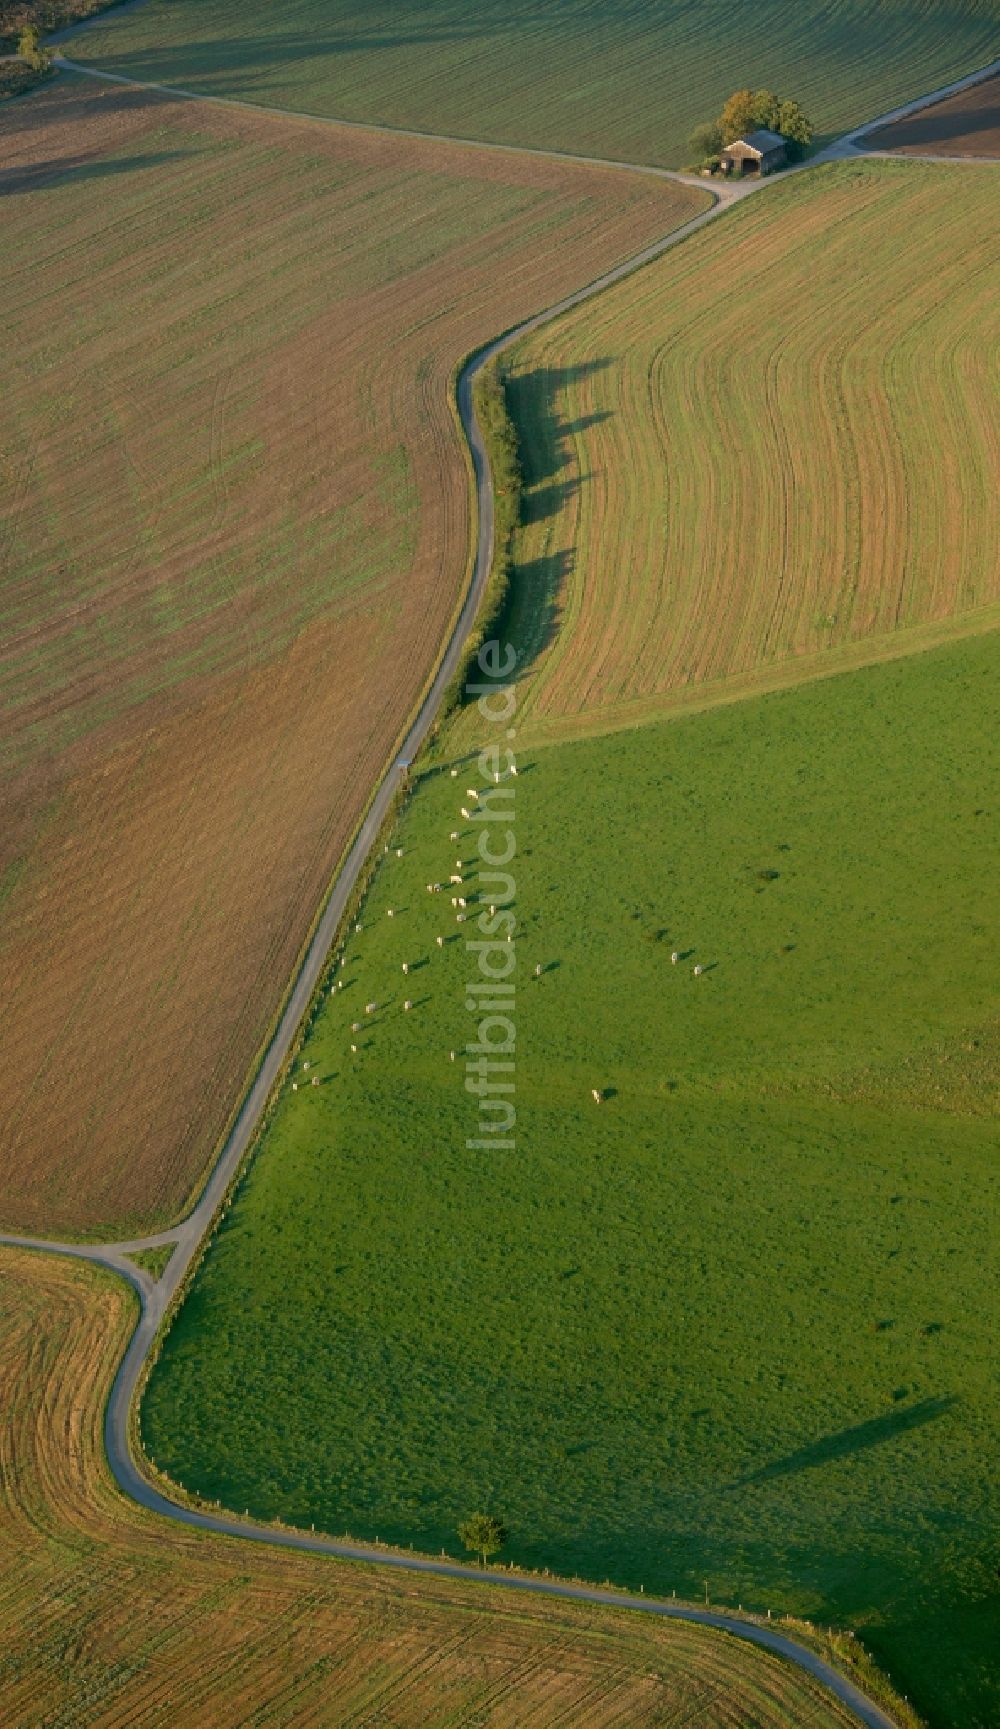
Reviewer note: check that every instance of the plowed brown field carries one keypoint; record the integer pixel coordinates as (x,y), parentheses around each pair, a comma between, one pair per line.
(771,454)
(964,125)
(234,529)
(109,1616)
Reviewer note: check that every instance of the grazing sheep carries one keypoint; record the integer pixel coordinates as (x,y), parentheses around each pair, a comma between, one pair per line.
(492,909)
(354,1050)
(597,1097)
(315,1081)
(454,834)
(430,888)
(440,942)
(340,984)
(355,1026)
(470,792)
(454,774)
(305,1065)
(295,1086)
(399,852)
(343,960)
(451,1056)
(460,918)
(675,957)
(406,967)
(538,970)
(358,929)
(462,901)
(465,813)
(408,1004)
(513,769)
(698,972)
(454,878)
(458,864)
(389,913)
(370,1008)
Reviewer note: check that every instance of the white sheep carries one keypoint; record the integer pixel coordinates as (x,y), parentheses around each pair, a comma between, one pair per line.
(305,1065)
(460,918)
(355,1026)
(406,967)
(389,913)
(538,970)
(440,942)
(454,774)
(464,813)
(698,972)
(295,1086)
(354,1050)
(513,769)
(315,1081)
(462,901)
(370,1008)
(451,1056)
(454,834)
(470,792)
(675,957)
(399,852)
(408,1004)
(597,1097)
(454,878)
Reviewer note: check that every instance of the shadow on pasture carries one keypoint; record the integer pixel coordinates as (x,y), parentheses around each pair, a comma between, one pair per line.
(60,170)
(859,1439)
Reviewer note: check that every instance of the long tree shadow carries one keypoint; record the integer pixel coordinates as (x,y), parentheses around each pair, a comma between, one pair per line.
(55,171)
(858,1439)
(533,605)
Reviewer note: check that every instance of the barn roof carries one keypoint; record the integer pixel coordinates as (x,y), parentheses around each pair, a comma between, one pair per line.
(762,140)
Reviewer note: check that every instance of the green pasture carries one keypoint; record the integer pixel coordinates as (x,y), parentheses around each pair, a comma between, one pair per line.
(731,1325)
(626,78)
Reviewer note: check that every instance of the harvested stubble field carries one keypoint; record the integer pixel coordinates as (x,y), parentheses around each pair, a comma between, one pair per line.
(965,125)
(108,1616)
(235,528)
(730,1325)
(619,78)
(771,453)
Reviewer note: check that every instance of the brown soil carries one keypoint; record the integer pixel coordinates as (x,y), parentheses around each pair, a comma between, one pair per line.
(235,530)
(964,125)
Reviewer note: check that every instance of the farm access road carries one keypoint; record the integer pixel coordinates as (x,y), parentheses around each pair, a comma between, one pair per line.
(190,1235)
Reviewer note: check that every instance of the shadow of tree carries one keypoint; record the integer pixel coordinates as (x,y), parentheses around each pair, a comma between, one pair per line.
(858,1439)
(55,171)
(534,399)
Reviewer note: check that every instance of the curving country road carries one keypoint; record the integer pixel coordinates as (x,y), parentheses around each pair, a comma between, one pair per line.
(155,1297)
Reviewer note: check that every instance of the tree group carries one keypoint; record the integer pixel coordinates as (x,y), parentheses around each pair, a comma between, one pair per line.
(746,111)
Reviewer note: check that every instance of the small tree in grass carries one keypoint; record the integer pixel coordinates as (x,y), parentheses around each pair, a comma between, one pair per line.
(482,1534)
(705,142)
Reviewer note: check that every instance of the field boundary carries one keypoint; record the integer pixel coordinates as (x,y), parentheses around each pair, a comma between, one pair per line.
(770,681)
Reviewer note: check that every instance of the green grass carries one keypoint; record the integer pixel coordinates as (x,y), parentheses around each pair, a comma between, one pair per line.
(625,78)
(731,1324)
(153,1261)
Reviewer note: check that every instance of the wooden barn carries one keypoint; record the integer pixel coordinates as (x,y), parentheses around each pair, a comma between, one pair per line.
(759,152)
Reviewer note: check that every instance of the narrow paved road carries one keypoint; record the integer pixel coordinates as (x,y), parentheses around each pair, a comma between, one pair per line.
(188,1236)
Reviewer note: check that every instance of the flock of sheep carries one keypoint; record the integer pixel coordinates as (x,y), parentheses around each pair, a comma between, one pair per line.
(460,904)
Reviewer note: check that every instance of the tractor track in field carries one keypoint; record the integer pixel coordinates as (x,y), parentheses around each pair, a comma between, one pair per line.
(191,1235)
